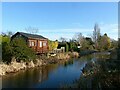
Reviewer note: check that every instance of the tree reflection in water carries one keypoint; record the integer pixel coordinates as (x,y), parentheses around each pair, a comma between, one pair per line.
(52,75)
(27,78)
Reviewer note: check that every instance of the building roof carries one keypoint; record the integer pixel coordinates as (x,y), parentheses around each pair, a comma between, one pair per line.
(35,36)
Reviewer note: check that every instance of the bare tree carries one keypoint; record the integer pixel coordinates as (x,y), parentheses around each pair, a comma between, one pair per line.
(96,34)
(78,37)
(9,33)
(63,39)
(31,29)
(3,34)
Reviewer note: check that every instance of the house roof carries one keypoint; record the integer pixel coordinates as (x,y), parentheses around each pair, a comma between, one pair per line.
(35,36)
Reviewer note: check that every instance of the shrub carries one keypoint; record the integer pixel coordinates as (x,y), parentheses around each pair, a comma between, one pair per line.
(52,44)
(21,51)
(6,52)
(73,46)
(67,47)
(16,48)
(5,39)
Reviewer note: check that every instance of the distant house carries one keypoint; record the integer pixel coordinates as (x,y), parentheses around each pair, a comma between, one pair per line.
(68,46)
(36,42)
(63,45)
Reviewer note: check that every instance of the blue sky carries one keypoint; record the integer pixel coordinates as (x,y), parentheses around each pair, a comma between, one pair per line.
(55,20)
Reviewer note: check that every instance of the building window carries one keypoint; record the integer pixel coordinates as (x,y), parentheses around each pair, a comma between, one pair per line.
(44,44)
(40,43)
(32,43)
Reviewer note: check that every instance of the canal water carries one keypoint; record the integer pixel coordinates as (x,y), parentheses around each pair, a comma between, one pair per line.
(50,76)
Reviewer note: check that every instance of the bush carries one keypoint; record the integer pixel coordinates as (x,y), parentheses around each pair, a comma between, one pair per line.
(21,51)
(5,39)
(73,46)
(17,48)
(52,44)
(67,47)
(7,52)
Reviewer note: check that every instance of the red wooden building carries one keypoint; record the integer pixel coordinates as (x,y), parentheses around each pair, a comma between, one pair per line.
(36,42)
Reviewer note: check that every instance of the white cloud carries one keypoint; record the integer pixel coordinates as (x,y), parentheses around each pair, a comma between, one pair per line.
(66,33)
(74,30)
(110,29)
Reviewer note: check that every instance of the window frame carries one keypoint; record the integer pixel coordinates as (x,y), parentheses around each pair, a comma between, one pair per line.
(31,43)
(44,44)
(40,44)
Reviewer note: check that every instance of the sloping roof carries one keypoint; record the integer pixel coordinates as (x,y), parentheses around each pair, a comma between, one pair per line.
(35,36)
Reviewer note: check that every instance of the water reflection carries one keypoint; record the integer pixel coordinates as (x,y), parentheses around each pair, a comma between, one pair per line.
(27,78)
(53,75)
(68,63)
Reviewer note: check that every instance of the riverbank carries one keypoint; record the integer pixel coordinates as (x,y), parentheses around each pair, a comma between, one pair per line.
(87,52)
(17,66)
(100,74)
